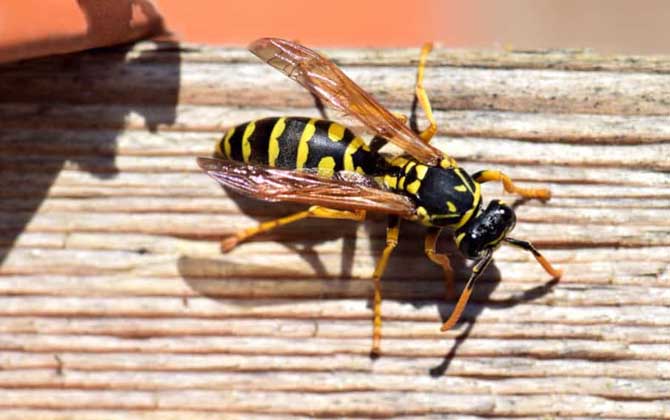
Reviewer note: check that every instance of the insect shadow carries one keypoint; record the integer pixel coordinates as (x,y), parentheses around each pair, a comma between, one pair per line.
(38,140)
(410,277)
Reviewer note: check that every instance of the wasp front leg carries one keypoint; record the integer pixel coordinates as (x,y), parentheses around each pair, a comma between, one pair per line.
(477,271)
(231,242)
(440,259)
(492,175)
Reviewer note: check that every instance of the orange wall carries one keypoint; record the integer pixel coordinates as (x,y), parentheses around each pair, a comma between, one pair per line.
(622,26)
(313,22)
(39,27)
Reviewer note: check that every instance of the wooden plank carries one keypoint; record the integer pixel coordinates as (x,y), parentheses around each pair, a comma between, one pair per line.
(115,301)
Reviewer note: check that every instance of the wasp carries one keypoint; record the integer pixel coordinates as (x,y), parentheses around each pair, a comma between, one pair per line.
(324,164)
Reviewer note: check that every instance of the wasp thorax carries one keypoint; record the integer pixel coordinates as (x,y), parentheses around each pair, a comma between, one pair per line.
(444,197)
(486,231)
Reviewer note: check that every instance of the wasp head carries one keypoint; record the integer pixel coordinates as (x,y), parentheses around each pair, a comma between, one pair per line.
(485,232)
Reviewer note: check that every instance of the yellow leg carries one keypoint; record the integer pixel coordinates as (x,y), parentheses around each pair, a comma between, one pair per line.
(427,134)
(231,242)
(441,260)
(491,175)
(391,241)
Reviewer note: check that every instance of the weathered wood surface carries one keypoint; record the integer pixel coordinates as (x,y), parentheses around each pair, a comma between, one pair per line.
(115,302)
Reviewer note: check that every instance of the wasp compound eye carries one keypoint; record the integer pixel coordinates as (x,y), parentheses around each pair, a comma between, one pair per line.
(487,230)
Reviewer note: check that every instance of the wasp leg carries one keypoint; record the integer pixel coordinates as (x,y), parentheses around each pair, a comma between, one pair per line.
(392,231)
(231,242)
(441,260)
(427,134)
(492,175)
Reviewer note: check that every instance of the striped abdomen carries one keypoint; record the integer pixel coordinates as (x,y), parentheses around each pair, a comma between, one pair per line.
(296,143)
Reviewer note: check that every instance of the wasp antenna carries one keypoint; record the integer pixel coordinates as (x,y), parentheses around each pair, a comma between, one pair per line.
(555,273)
(477,271)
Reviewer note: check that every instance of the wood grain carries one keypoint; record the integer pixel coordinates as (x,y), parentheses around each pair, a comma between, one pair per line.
(115,302)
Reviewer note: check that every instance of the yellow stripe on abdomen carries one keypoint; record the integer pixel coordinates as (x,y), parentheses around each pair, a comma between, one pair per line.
(303,147)
(353,146)
(326,166)
(246,146)
(336,132)
(273,147)
(226,142)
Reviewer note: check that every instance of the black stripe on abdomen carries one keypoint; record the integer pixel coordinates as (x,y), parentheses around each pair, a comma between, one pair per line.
(293,142)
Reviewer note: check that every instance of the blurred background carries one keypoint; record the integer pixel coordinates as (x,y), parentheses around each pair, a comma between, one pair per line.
(609,26)
(40,27)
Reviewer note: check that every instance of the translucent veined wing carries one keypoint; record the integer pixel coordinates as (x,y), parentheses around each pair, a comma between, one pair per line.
(350,193)
(324,79)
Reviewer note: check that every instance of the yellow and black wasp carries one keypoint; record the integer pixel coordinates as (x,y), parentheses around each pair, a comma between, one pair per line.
(324,164)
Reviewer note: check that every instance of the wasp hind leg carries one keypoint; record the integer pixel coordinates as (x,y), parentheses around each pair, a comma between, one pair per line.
(421,95)
(441,260)
(227,244)
(492,175)
(392,232)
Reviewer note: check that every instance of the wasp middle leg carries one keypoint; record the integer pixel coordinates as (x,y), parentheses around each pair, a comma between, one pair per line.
(227,244)
(493,175)
(440,259)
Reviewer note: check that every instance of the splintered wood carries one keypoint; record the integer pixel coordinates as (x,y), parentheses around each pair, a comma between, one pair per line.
(116,303)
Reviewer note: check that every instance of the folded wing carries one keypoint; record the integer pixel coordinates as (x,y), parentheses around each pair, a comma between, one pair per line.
(324,79)
(345,193)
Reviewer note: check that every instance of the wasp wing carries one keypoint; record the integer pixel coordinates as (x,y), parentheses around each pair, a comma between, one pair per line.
(350,193)
(324,79)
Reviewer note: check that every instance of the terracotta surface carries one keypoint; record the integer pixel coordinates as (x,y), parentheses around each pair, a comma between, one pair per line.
(613,26)
(334,23)
(30,28)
